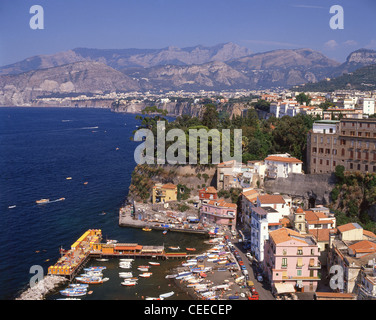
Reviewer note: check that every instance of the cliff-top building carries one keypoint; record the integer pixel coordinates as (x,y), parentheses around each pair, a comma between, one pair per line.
(347,142)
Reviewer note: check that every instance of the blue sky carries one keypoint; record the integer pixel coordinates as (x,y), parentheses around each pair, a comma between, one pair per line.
(259,25)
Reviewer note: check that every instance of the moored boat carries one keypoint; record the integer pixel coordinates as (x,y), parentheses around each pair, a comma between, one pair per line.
(154,263)
(145,274)
(166,295)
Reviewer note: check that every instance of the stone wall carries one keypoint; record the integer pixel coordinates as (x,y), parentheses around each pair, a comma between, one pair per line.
(314,189)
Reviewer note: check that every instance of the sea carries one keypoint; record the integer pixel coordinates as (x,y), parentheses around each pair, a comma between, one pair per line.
(39,149)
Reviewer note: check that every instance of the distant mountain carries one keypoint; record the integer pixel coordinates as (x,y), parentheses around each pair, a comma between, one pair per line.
(126,58)
(355,60)
(70,79)
(363,79)
(279,68)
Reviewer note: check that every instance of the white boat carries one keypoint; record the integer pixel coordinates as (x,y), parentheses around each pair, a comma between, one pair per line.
(189,264)
(126,260)
(166,295)
(125,266)
(143,269)
(12,207)
(125,275)
(102,260)
(174,248)
(128,283)
(154,263)
(153,298)
(171,276)
(145,274)
(72,293)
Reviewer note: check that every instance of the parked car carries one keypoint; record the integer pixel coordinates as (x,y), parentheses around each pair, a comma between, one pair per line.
(259,278)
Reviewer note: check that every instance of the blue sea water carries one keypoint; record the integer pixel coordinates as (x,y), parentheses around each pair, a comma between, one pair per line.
(39,149)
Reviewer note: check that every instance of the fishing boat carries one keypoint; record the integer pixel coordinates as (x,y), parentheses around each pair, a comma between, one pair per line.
(154,263)
(166,295)
(190,249)
(174,248)
(145,275)
(146,229)
(42,201)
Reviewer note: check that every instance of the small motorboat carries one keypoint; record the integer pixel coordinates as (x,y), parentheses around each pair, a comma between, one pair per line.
(145,275)
(153,298)
(174,248)
(146,229)
(125,274)
(190,249)
(164,232)
(143,269)
(12,207)
(102,260)
(68,178)
(166,295)
(85,183)
(154,263)
(129,283)
(42,201)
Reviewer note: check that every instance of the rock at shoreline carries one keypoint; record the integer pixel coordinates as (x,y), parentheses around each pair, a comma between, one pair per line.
(42,288)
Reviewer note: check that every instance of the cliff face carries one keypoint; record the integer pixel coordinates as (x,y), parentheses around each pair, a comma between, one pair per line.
(312,188)
(357,59)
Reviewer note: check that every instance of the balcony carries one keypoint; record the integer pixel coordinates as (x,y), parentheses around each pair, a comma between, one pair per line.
(296,278)
(315,267)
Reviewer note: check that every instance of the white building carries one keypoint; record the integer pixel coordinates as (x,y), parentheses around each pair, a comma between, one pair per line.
(265,217)
(282,165)
(368,105)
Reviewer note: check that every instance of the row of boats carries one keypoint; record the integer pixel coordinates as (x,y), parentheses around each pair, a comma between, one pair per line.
(92,275)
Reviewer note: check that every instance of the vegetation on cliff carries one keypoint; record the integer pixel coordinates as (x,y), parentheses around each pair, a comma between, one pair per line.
(353,196)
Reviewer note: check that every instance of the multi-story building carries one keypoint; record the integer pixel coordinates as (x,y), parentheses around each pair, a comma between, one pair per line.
(163,193)
(206,194)
(348,142)
(281,166)
(291,261)
(368,105)
(219,212)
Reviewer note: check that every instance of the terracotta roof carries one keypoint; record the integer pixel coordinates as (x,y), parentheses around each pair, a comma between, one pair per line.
(369,234)
(271,198)
(285,222)
(284,235)
(336,295)
(283,159)
(364,246)
(169,186)
(222,203)
(348,227)
(320,234)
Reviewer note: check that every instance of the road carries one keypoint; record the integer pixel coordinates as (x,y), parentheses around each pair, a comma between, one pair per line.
(263,289)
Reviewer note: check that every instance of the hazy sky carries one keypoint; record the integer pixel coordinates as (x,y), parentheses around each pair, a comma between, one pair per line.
(259,25)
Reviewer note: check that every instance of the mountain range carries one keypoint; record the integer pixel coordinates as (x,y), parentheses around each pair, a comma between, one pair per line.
(220,67)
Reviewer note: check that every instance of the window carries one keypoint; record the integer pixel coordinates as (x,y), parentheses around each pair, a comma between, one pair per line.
(312,252)
(299,273)
(284,262)
(300,252)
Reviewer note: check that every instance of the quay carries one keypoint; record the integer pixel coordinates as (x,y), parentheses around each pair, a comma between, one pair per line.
(127,218)
(89,246)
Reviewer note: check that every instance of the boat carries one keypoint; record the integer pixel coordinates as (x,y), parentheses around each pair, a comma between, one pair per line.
(147,267)
(166,295)
(129,283)
(124,260)
(72,293)
(154,263)
(189,264)
(12,207)
(143,269)
(190,249)
(125,274)
(102,260)
(94,268)
(78,285)
(145,275)
(174,248)
(85,183)
(94,280)
(153,298)
(171,276)
(42,201)
(164,232)
(146,229)
(68,178)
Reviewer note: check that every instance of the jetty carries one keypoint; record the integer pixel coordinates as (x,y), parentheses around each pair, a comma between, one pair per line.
(89,246)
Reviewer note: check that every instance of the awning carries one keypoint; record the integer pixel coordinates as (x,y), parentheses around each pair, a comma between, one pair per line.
(284,288)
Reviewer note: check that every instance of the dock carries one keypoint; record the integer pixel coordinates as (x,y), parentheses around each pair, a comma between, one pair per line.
(89,246)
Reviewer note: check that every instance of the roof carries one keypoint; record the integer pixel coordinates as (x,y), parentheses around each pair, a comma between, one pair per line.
(250,194)
(284,288)
(369,234)
(284,235)
(321,235)
(283,159)
(348,227)
(169,186)
(222,203)
(333,295)
(274,198)
(363,246)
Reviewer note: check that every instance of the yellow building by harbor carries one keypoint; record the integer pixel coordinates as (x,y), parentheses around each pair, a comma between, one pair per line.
(164,193)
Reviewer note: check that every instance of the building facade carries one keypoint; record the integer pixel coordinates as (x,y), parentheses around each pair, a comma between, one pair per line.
(219,212)
(348,142)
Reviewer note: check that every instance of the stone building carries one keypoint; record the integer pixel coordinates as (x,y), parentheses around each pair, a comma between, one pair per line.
(348,142)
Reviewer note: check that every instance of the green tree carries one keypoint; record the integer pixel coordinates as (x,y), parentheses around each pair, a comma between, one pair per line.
(302,97)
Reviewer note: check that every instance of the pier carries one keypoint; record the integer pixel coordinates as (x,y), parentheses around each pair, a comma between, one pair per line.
(89,246)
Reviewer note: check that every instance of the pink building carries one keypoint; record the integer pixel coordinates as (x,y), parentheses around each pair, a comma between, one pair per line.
(219,212)
(291,261)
